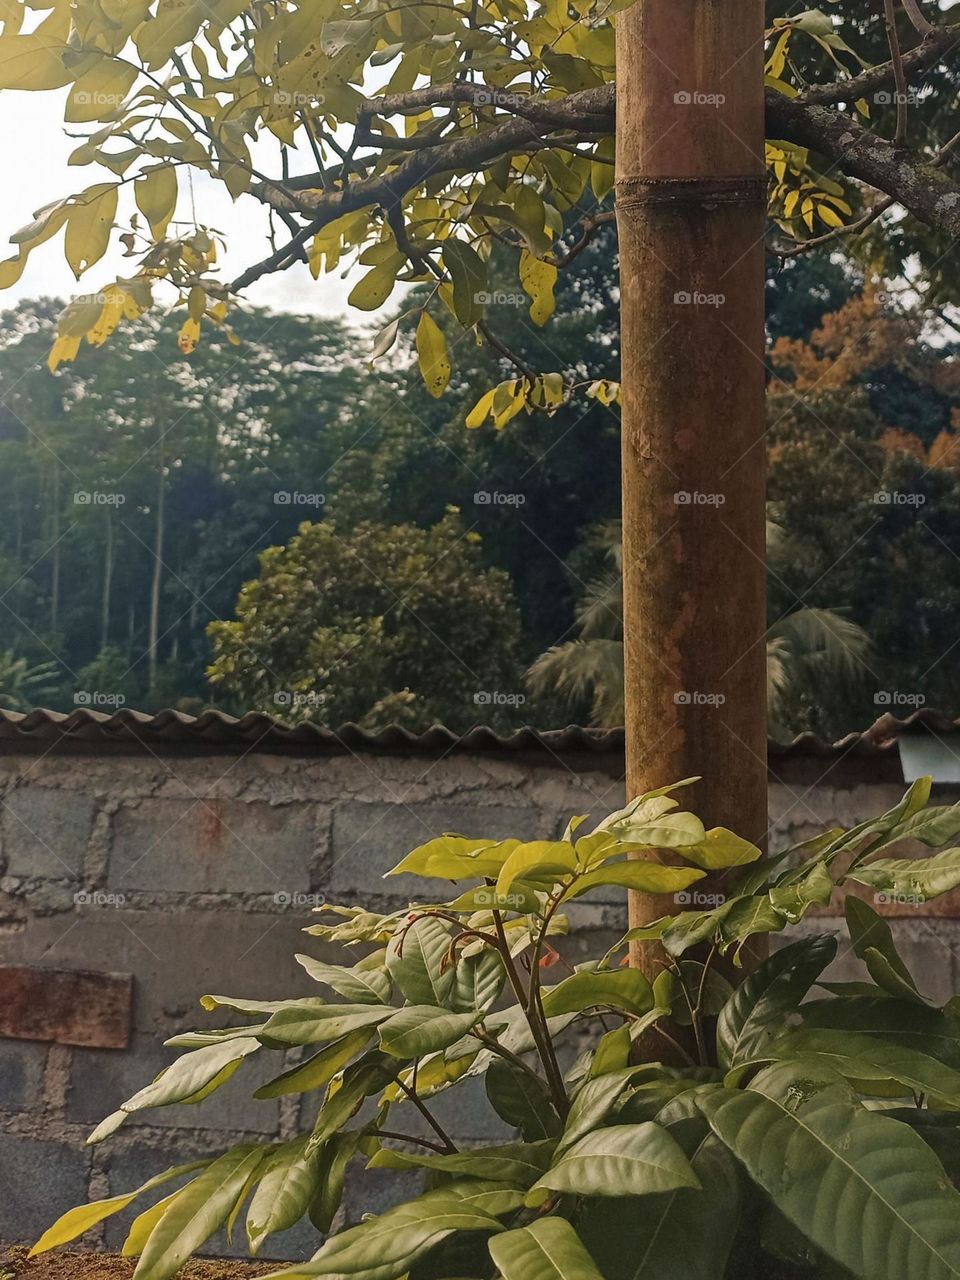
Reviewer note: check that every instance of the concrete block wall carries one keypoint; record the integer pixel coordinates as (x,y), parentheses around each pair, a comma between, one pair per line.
(196,874)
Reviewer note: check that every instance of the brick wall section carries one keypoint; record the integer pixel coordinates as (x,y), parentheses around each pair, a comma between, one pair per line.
(196,874)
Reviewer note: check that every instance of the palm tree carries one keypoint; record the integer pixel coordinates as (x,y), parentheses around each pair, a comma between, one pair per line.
(805,648)
(23,687)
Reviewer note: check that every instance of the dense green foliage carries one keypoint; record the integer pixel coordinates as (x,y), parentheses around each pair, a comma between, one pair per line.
(801,1128)
(376,624)
(860,402)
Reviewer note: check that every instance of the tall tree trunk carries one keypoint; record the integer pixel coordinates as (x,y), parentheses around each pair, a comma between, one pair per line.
(157,581)
(690,209)
(107,582)
(55,549)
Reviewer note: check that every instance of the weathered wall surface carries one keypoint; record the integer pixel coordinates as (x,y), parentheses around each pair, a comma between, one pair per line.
(196,874)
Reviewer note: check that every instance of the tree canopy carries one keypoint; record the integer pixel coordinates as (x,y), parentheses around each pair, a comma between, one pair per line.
(415,139)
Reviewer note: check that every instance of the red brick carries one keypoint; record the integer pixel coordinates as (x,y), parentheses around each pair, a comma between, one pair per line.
(91,1010)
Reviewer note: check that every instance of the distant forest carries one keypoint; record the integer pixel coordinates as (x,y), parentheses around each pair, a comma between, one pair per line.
(141,488)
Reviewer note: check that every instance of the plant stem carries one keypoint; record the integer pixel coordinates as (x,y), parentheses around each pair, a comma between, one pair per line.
(424,1110)
(409,1137)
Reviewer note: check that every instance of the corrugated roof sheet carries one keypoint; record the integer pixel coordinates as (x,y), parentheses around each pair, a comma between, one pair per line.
(130,730)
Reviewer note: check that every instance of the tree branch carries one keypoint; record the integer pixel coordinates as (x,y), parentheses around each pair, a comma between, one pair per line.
(931,50)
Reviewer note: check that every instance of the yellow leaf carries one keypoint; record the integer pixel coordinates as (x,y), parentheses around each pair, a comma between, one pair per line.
(88,228)
(374,288)
(829,216)
(189,336)
(100,91)
(538,278)
(432,355)
(478,414)
(155,192)
(62,351)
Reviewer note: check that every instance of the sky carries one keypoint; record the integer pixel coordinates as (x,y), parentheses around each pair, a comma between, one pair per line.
(33,155)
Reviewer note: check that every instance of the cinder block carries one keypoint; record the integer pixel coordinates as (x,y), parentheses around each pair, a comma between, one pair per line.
(212,846)
(65,1006)
(21,1074)
(41,1180)
(46,831)
(100,1081)
(178,956)
(135,1165)
(370,838)
(374,1190)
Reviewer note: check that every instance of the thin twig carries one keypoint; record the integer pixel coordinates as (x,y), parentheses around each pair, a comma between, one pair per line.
(899,75)
(912,10)
(448,1144)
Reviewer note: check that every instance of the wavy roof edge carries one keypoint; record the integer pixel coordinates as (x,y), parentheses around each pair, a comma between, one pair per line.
(212,730)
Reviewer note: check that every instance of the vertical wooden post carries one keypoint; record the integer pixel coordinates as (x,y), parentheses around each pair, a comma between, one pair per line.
(690,210)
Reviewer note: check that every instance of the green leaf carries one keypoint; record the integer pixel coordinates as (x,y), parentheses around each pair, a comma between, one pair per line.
(864,1189)
(361,984)
(622,989)
(284,1192)
(548,1249)
(684,1234)
(720,849)
(794,899)
(480,979)
(747,917)
(521,1100)
(913,879)
(365,1077)
(319,1069)
(334,1156)
(623,1160)
(872,941)
(643,875)
(671,831)
(452,857)
(432,355)
(537,859)
(308,1024)
(902,1022)
(594,1101)
(864,1059)
(468,272)
(519,1163)
(388,1244)
(417,960)
(75,1222)
(420,1029)
(195,1214)
(760,1005)
(190,1079)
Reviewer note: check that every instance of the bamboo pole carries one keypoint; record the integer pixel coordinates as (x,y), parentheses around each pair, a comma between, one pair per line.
(690,209)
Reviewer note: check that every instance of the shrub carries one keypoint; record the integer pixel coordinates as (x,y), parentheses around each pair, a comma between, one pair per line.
(791,1123)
